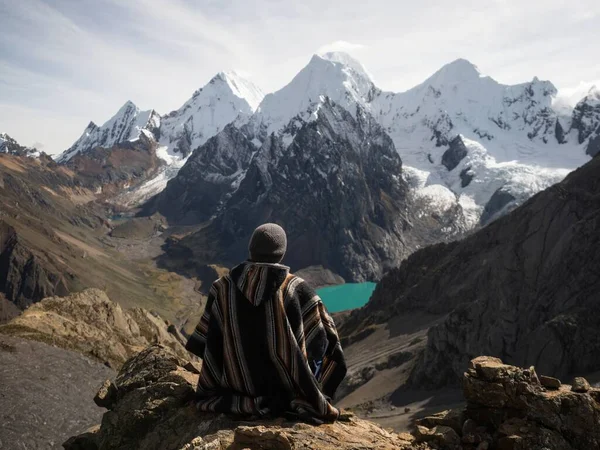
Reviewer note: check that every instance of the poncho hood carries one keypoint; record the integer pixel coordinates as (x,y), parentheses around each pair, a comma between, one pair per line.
(259,281)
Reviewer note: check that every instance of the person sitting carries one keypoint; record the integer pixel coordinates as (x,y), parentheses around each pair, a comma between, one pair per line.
(268,344)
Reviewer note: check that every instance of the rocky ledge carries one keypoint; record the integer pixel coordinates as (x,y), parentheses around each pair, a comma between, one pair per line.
(151,406)
(90,323)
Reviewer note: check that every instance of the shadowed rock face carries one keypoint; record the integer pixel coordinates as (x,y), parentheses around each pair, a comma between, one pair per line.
(593,148)
(525,288)
(496,205)
(24,276)
(455,153)
(211,174)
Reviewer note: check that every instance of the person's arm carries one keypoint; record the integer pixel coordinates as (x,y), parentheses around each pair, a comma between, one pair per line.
(197,341)
(324,351)
(333,368)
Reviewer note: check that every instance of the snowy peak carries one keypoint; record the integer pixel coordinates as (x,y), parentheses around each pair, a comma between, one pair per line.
(348,61)
(334,75)
(586,117)
(241,87)
(227,97)
(457,72)
(12,147)
(128,124)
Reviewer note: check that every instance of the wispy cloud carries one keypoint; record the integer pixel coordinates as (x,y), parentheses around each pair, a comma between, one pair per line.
(64,63)
(340,46)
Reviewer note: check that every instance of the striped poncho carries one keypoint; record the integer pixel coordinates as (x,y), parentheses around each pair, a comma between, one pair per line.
(268,346)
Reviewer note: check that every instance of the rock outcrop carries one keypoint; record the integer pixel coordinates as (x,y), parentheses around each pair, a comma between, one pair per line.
(90,323)
(151,406)
(508,408)
(455,153)
(525,288)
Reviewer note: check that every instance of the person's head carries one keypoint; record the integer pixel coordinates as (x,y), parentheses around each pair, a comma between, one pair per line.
(268,244)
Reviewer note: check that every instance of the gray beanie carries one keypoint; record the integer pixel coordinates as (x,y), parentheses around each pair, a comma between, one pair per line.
(268,244)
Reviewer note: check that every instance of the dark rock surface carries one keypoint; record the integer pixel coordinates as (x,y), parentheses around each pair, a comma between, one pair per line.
(525,288)
(586,115)
(466,176)
(496,206)
(204,183)
(455,153)
(45,394)
(593,148)
(24,276)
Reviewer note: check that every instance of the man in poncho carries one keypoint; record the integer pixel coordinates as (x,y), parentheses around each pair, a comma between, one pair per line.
(268,345)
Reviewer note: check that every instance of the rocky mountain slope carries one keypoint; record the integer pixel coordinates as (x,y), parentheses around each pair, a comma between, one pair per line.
(304,181)
(10,146)
(55,239)
(90,323)
(524,288)
(150,406)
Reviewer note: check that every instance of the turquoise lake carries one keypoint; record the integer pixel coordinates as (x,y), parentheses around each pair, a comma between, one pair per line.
(346,296)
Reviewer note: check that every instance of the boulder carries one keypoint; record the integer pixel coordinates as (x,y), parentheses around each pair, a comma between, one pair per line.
(550,382)
(580,384)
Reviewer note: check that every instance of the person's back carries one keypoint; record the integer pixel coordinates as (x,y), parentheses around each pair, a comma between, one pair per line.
(268,344)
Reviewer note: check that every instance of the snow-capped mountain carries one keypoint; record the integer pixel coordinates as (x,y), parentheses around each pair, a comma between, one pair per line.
(226,98)
(129,124)
(586,120)
(513,142)
(510,133)
(12,147)
(465,140)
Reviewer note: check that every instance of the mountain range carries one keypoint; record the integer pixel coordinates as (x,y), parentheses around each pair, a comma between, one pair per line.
(464,138)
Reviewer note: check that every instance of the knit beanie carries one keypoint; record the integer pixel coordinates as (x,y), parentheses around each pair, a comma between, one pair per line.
(268,244)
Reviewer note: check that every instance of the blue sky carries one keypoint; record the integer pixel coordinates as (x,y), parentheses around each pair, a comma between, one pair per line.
(66,62)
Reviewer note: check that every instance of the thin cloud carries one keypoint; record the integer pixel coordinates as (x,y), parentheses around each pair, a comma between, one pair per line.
(340,46)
